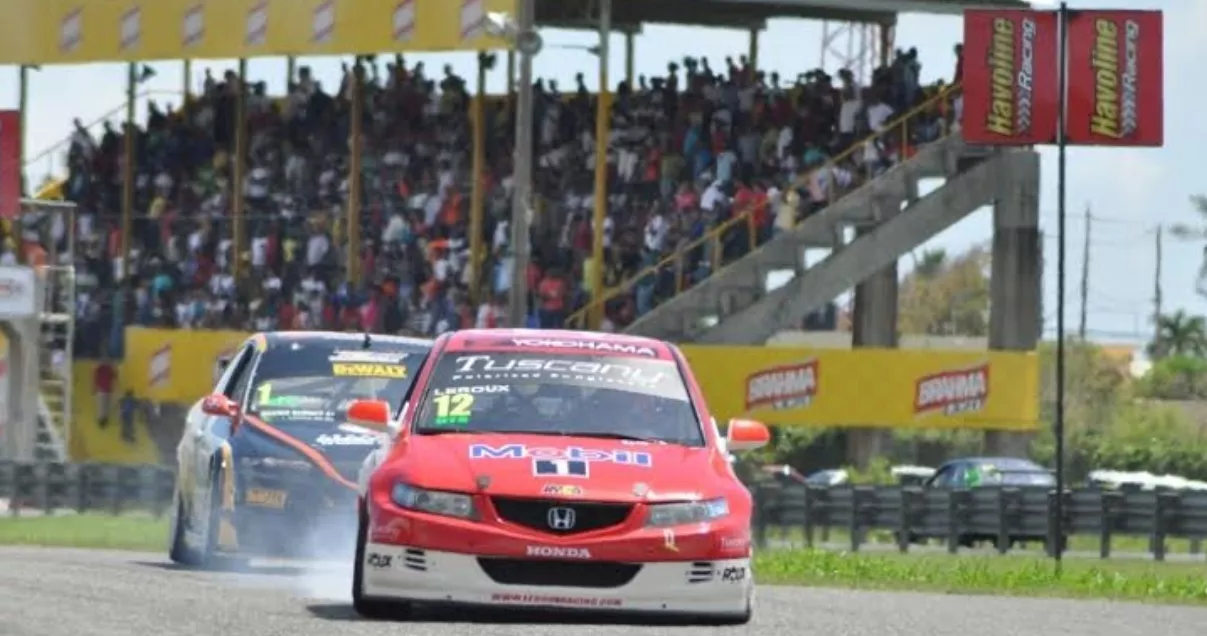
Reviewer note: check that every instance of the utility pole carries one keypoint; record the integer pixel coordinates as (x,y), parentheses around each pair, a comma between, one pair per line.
(1157,290)
(1085,278)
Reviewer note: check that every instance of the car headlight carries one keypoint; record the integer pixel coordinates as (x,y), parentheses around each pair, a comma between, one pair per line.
(276,462)
(449,504)
(675,514)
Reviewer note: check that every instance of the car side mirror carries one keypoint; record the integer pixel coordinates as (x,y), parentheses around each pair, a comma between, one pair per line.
(373,415)
(219,405)
(746,435)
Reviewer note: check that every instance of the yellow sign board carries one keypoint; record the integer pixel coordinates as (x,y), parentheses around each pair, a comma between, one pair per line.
(175,365)
(779,385)
(80,31)
(870,387)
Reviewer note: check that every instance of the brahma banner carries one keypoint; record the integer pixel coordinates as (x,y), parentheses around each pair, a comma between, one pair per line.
(1116,86)
(788,386)
(1011,86)
(10,164)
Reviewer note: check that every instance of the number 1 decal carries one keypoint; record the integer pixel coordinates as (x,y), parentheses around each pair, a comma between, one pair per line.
(263,393)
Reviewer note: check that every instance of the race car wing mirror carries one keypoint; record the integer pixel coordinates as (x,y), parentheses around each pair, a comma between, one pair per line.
(746,435)
(373,415)
(220,405)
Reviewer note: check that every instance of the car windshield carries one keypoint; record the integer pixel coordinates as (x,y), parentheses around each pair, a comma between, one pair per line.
(556,394)
(315,381)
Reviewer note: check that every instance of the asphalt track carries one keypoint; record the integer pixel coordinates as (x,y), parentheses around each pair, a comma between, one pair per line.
(50,592)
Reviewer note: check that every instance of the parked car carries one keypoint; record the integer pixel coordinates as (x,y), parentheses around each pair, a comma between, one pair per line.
(990,472)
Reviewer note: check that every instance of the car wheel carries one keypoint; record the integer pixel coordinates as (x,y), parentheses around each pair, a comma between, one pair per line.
(371,608)
(180,552)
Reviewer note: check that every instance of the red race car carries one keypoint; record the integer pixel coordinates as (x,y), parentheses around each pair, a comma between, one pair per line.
(554,469)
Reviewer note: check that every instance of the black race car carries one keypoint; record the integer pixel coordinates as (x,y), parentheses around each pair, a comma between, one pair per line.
(268,462)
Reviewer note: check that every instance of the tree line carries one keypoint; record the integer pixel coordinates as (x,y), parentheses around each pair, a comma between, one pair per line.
(1113,420)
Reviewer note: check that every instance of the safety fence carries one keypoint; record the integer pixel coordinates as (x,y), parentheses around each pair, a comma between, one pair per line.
(1003,517)
(50,487)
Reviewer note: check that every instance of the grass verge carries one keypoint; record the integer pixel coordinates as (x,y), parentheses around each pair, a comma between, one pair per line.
(120,532)
(1123,579)
(839,537)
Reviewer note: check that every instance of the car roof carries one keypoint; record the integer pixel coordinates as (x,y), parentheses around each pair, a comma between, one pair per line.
(558,341)
(1001,463)
(276,338)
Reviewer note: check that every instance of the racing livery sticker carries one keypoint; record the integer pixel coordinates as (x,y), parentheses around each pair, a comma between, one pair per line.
(548,599)
(559,468)
(561,490)
(601,346)
(783,387)
(266,498)
(573,453)
(368,370)
(557,552)
(952,392)
(345,439)
(488,368)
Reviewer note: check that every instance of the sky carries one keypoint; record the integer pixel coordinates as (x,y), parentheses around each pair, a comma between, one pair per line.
(1128,192)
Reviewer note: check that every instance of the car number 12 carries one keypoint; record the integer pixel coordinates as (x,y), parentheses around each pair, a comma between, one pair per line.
(453,408)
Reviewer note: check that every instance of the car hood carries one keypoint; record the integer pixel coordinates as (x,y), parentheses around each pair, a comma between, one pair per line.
(341,446)
(536,465)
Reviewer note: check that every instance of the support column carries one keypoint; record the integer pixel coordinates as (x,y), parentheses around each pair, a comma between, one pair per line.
(874,325)
(753,54)
(1015,321)
(630,55)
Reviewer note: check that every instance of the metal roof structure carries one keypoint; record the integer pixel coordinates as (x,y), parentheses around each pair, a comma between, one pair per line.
(743,14)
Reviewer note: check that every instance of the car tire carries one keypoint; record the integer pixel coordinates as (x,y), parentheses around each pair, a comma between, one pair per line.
(372,609)
(179,551)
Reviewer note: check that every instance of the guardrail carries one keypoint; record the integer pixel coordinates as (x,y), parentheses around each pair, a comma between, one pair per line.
(85,487)
(957,518)
(1001,516)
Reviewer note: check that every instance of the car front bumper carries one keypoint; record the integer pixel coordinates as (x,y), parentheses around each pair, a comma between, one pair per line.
(705,588)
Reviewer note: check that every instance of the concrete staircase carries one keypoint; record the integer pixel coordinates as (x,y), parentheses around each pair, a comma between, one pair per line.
(735,306)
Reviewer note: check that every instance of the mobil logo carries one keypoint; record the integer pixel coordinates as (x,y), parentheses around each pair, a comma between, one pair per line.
(570,453)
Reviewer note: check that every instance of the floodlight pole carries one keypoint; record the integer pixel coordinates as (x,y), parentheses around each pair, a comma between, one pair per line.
(517,305)
(1061,195)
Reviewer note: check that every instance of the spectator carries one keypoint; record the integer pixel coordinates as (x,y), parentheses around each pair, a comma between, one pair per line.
(689,151)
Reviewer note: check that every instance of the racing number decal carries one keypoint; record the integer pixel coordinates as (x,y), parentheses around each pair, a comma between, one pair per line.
(263,393)
(453,409)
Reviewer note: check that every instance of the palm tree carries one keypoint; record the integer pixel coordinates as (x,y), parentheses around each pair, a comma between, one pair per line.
(1179,334)
(931,263)
(1197,232)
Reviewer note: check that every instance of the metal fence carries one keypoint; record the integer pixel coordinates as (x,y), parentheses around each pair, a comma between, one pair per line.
(50,487)
(958,518)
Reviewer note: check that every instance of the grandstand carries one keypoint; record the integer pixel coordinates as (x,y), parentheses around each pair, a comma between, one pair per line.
(707,163)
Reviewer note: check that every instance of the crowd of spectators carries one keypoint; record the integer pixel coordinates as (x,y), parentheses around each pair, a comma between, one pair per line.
(688,150)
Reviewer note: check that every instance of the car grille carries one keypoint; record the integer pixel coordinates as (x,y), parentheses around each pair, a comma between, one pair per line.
(596,574)
(535,514)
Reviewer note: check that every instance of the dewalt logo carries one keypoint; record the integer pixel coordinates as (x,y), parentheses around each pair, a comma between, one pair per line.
(1115,66)
(1011,76)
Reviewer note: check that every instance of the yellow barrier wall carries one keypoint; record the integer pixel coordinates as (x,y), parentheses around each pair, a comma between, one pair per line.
(168,370)
(870,387)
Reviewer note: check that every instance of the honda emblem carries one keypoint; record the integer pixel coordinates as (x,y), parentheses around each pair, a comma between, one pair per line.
(561,518)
